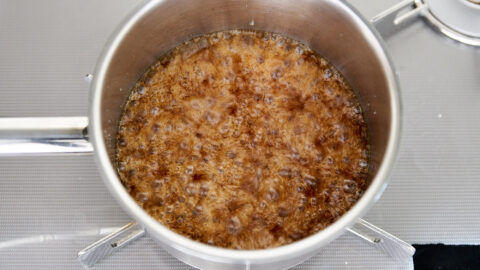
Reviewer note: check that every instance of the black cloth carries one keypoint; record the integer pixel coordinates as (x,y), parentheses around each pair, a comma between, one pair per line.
(446,257)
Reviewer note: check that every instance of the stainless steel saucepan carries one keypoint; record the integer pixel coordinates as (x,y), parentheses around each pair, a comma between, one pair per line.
(330,27)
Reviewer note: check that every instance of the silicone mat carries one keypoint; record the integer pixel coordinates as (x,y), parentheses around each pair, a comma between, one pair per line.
(51,207)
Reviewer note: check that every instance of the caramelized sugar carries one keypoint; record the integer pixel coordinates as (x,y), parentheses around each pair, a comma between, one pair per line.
(244,140)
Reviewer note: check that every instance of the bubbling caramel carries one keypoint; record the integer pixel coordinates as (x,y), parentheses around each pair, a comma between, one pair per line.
(243,140)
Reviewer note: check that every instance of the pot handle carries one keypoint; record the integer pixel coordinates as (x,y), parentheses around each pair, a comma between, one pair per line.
(374,236)
(398,17)
(44,136)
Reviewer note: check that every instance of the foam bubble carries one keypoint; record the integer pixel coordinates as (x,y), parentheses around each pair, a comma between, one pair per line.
(277,73)
(349,186)
(142,196)
(189,170)
(212,118)
(234,226)
(299,50)
(272,194)
(327,74)
(362,163)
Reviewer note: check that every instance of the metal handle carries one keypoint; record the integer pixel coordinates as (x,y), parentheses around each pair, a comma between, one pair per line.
(398,16)
(383,241)
(43,136)
(90,255)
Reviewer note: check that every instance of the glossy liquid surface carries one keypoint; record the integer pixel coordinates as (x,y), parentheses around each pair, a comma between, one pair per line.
(244,140)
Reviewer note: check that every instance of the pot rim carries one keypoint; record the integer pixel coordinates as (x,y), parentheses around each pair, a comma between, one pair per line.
(217,254)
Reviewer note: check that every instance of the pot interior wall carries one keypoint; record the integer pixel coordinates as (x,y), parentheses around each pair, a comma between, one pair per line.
(327,29)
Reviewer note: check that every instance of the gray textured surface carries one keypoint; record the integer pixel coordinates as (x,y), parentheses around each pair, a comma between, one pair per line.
(52,207)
